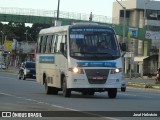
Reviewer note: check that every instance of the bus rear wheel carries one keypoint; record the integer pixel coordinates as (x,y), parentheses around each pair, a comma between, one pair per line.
(66,91)
(112,92)
(123,89)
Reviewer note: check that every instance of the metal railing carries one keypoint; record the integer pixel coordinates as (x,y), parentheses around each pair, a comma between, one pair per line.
(53,13)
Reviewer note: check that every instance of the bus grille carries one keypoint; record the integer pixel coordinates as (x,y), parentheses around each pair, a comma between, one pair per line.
(97,76)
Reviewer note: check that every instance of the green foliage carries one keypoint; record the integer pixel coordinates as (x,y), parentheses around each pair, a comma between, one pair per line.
(17,31)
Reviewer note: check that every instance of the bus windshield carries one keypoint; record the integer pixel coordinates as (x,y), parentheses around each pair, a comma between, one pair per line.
(90,43)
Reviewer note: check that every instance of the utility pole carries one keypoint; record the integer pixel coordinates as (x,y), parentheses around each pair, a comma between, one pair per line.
(26,34)
(2,42)
(124,19)
(90,17)
(58,10)
(57,22)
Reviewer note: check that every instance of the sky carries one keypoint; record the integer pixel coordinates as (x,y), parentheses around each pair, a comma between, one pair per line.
(97,7)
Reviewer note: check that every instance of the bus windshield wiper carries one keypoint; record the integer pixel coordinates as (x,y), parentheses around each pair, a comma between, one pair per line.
(95,54)
(105,53)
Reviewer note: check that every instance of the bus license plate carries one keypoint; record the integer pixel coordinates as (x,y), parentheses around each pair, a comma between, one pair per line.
(97,78)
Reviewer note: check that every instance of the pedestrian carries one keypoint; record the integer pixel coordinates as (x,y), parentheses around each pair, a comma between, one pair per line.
(158,75)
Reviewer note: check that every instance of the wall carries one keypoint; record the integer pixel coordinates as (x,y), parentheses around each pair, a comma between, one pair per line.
(26,47)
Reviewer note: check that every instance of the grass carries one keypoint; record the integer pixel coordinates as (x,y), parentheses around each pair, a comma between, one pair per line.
(144,85)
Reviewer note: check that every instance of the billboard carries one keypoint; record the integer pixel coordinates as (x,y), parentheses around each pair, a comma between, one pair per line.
(8,45)
(154,35)
(133,32)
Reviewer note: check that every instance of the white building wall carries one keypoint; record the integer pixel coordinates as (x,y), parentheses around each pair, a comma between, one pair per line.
(26,47)
(136,7)
(129,4)
(146,4)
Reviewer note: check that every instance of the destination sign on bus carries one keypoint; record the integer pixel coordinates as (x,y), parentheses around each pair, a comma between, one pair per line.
(96,64)
(91,30)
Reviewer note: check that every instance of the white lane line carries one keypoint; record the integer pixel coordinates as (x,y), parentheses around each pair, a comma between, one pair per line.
(48,104)
(8,78)
(127,94)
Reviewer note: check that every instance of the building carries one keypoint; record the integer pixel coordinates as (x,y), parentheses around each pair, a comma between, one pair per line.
(138,14)
(22,51)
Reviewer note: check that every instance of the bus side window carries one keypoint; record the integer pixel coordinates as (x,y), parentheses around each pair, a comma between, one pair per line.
(57,45)
(43,45)
(64,41)
(48,45)
(39,44)
(52,43)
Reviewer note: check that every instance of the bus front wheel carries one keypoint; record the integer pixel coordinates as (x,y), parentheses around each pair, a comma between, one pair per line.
(48,89)
(66,91)
(112,92)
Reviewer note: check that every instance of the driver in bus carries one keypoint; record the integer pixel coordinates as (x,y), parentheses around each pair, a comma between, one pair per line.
(102,46)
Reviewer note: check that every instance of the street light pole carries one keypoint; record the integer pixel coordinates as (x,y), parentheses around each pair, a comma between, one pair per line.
(124,20)
(124,23)
(58,9)
(26,34)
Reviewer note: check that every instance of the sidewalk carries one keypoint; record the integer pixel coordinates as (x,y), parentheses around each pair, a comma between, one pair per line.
(143,83)
(11,69)
(141,80)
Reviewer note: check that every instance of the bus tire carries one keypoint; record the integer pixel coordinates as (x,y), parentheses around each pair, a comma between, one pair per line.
(112,92)
(123,89)
(66,91)
(48,89)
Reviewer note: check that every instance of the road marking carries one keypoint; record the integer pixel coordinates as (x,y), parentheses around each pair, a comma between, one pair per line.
(127,94)
(8,78)
(39,102)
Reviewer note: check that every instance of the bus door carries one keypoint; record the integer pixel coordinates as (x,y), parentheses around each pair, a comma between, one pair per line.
(60,58)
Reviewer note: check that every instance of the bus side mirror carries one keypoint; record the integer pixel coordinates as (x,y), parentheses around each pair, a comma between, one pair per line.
(62,47)
(123,46)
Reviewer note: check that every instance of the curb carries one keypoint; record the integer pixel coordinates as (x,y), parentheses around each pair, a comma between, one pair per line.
(10,71)
(143,85)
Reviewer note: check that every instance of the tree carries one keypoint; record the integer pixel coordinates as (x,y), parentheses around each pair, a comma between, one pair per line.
(17,31)
(35,29)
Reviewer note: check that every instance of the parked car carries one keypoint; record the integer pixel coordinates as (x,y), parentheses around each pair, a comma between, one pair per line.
(27,70)
(2,66)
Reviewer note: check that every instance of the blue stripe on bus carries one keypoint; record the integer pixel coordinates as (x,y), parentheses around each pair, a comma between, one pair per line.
(47,59)
(96,64)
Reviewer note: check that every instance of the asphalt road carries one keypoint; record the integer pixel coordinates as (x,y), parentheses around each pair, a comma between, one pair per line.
(28,95)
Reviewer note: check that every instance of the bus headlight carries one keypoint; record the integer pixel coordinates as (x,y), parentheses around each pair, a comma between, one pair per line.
(117,70)
(76,70)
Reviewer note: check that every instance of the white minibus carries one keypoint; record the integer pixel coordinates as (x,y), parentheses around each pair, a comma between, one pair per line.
(83,57)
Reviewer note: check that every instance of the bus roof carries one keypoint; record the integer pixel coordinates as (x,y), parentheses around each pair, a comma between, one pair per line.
(75,25)
(54,29)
